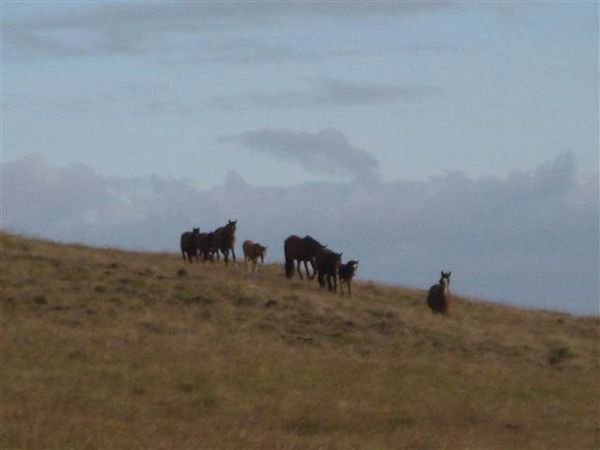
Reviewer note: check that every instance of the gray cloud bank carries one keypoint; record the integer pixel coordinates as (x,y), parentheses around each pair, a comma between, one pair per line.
(327,92)
(326,151)
(530,238)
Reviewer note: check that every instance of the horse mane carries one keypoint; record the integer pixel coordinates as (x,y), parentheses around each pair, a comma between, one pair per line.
(309,239)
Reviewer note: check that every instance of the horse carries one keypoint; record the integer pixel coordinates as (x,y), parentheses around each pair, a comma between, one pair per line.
(206,245)
(224,240)
(253,251)
(189,244)
(328,265)
(300,249)
(346,272)
(439,297)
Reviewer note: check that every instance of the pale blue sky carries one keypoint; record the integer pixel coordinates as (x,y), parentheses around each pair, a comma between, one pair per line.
(134,89)
(414,136)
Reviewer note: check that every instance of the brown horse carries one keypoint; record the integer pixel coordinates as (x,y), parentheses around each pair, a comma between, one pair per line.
(300,249)
(439,297)
(189,245)
(346,273)
(328,265)
(253,251)
(224,240)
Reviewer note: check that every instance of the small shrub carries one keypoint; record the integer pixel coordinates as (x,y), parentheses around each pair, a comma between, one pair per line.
(40,300)
(559,354)
(270,303)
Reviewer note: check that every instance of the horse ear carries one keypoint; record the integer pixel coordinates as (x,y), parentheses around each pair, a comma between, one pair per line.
(449,273)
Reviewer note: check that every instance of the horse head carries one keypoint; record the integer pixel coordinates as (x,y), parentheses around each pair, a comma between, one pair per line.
(445,279)
(338,258)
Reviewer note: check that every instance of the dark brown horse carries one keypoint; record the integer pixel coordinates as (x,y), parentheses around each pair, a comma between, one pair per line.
(206,246)
(189,245)
(224,240)
(300,249)
(346,273)
(253,251)
(439,297)
(328,265)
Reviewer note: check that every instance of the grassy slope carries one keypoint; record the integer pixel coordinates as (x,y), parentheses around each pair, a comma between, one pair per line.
(109,349)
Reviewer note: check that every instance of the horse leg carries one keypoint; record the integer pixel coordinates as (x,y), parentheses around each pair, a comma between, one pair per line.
(321,278)
(233,253)
(299,271)
(312,263)
(314,269)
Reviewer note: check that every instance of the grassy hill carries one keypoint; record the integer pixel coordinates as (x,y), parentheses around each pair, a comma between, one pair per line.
(105,349)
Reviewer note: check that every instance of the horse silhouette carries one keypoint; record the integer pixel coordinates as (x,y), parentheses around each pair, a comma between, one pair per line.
(439,297)
(189,245)
(328,265)
(300,249)
(224,240)
(346,273)
(253,251)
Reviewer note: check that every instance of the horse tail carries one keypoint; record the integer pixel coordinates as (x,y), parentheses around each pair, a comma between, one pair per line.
(289,261)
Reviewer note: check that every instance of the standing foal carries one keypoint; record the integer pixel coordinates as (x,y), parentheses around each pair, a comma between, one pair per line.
(347,272)
(439,297)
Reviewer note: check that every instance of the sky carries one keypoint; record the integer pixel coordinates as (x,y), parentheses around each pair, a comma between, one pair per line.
(413,136)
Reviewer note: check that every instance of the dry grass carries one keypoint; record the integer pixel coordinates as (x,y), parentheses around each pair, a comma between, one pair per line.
(104,349)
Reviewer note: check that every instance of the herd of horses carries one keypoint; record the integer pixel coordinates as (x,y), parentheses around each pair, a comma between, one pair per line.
(325,263)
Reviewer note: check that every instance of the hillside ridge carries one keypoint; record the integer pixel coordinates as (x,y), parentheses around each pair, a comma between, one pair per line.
(104,348)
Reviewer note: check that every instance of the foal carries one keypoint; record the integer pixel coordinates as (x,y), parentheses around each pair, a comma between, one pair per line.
(253,251)
(439,297)
(346,273)
(328,264)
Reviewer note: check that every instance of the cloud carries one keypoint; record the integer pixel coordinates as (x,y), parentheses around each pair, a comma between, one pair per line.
(530,238)
(326,151)
(177,29)
(327,92)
